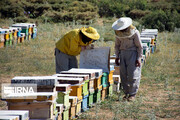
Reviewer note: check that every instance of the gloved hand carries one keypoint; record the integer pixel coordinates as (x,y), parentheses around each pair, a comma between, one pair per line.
(117,61)
(138,63)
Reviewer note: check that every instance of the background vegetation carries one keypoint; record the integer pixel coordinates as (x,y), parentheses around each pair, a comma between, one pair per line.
(161,14)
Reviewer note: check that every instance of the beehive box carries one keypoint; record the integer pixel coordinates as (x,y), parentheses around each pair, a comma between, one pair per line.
(76,91)
(146,40)
(69,80)
(110,90)
(65,115)
(84,104)
(104,93)
(37,110)
(110,77)
(97,95)
(97,82)
(2,40)
(72,111)
(22,37)
(78,108)
(104,79)
(63,98)
(93,82)
(90,100)
(22,114)
(63,87)
(44,83)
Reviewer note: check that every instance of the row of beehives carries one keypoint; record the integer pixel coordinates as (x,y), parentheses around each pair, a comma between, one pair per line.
(62,96)
(17,33)
(149,41)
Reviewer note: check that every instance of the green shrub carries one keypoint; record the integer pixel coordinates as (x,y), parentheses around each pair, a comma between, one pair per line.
(162,20)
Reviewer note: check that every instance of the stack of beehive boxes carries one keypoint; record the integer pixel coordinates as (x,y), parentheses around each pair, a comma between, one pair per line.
(41,104)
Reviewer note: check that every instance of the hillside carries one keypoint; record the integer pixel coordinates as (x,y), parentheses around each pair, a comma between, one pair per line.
(161,14)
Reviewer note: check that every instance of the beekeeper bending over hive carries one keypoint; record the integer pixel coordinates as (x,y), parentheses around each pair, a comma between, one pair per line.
(71,44)
(128,48)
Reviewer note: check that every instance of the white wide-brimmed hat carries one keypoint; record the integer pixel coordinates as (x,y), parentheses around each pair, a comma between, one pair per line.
(122,23)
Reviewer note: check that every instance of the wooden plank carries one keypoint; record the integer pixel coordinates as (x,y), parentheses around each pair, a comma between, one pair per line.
(23,114)
(85,77)
(63,87)
(69,80)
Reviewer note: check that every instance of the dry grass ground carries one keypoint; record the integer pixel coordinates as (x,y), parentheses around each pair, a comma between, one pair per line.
(158,96)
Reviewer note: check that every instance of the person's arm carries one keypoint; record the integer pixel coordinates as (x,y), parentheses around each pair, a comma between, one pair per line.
(117,50)
(138,44)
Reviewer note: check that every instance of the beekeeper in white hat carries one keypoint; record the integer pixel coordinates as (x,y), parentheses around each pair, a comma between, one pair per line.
(128,48)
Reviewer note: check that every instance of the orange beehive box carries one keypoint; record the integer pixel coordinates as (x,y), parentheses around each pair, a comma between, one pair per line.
(111,75)
(104,93)
(72,111)
(97,82)
(76,91)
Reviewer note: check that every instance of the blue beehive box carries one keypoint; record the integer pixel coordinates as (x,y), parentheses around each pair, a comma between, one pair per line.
(84,104)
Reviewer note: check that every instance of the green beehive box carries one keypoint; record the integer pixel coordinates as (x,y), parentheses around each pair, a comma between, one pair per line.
(65,114)
(90,100)
(63,98)
(104,79)
(97,95)
(10,42)
(110,90)
(85,90)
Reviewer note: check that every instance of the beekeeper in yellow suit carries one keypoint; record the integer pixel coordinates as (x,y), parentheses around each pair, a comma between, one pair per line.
(71,44)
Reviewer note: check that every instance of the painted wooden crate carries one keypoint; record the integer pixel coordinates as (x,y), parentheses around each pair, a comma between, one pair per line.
(110,78)
(44,83)
(78,108)
(2,40)
(104,79)
(65,115)
(97,82)
(146,40)
(72,111)
(90,100)
(37,110)
(104,93)
(110,90)
(84,104)
(63,98)
(97,95)
(76,91)
(22,114)
(22,37)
